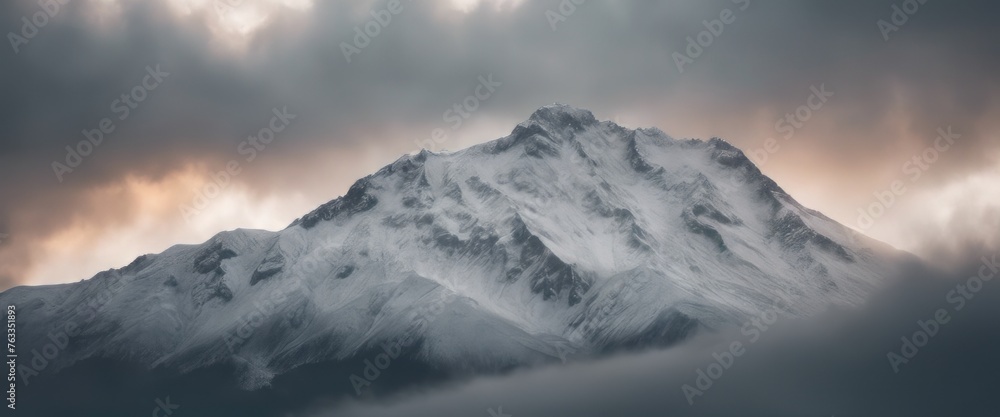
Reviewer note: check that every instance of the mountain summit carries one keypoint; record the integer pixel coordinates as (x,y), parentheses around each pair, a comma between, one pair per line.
(569,236)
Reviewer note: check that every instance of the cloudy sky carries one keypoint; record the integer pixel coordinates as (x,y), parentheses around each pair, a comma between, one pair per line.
(185,89)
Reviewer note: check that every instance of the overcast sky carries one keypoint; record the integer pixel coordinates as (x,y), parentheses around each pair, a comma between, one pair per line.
(200,78)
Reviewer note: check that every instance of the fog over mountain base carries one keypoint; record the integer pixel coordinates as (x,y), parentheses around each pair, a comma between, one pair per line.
(837,363)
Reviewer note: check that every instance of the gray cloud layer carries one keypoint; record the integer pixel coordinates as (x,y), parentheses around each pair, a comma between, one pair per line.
(938,70)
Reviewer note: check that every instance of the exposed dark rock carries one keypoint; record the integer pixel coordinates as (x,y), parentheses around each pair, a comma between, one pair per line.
(357,200)
(519,230)
(425,220)
(526,131)
(669,327)
(792,233)
(410,202)
(694,225)
(556,276)
(638,238)
(271,265)
(706,209)
(539,147)
(514,273)
(212,288)
(344,271)
(481,241)
(728,155)
(564,116)
(465,219)
(137,265)
(635,158)
(549,275)
(593,203)
(396,221)
(482,189)
(211,257)
(445,241)
(453,191)
(522,133)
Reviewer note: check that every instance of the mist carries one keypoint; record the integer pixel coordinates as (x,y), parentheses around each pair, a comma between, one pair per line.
(847,361)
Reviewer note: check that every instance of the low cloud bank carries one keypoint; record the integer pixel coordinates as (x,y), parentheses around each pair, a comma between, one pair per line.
(926,345)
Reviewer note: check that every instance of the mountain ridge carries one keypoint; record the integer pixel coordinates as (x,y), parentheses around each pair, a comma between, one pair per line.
(570,234)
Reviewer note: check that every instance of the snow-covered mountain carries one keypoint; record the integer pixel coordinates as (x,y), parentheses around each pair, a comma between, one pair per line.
(569,236)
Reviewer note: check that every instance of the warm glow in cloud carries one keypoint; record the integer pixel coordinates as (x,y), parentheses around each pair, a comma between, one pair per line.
(145,219)
(241,17)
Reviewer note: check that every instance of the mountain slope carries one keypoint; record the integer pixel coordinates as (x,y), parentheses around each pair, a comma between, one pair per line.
(568,236)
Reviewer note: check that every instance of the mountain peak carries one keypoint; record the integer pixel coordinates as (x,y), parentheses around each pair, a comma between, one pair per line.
(568,232)
(562,115)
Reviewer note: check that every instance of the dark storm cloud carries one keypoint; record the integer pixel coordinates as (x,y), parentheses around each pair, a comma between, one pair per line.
(846,362)
(938,69)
